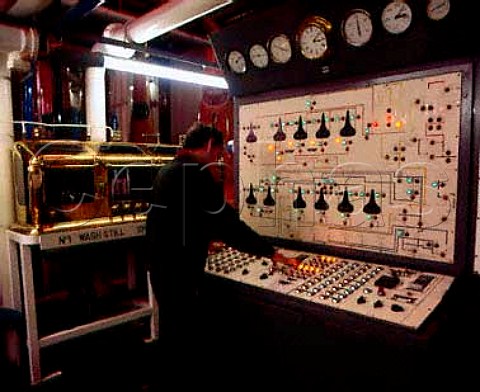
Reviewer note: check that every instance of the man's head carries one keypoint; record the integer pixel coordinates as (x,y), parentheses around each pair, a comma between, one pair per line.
(204,140)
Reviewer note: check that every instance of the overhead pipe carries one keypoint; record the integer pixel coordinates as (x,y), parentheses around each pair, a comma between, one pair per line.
(19,40)
(120,17)
(25,8)
(165,18)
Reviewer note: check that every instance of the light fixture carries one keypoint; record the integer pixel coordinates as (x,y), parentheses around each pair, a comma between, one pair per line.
(161,71)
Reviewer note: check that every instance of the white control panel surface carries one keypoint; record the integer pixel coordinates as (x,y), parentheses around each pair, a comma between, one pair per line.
(396,295)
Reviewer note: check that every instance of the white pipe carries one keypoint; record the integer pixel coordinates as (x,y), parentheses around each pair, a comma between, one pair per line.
(167,17)
(23,41)
(95,102)
(23,8)
(6,186)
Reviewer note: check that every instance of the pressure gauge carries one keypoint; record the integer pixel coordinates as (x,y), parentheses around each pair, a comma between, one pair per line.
(396,17)
(280,49)
(312,37)
(438,9)
(357,27)
(258,56)
(236,62)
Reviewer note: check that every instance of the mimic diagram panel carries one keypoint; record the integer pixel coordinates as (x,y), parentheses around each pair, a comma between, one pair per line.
(396,295)
(372,167)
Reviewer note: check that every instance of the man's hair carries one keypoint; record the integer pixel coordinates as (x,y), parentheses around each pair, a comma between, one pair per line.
(199,134)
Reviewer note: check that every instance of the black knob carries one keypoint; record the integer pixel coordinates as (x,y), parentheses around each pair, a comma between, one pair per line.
(300,133)
(323,131)
(251,199)
(347,130)
(372,207)
(251,137)
(279,136)
(299,202)
(269,200)
(321,203)
(345,206)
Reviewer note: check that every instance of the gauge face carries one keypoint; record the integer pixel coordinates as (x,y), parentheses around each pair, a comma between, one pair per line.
(236,62)
(258,56)
(280,49)
(312,37)
(438,9)
(313,42)
(357,27)
(396,17)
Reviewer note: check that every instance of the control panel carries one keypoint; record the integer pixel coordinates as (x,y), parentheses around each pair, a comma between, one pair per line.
(399,296)
(374,167)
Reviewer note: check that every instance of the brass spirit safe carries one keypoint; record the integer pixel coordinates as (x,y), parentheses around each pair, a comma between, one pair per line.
(65,183)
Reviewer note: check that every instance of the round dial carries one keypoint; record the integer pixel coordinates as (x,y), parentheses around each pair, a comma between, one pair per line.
(236,62)
(312,37)
(396,17)
(438,9)
(280,49)
(357,27)
(258,56)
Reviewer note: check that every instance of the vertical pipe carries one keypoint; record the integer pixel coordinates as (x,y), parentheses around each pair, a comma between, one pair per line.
(95,102)
(6,186)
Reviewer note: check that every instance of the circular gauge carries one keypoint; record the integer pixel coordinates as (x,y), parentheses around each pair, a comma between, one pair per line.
(396,17)
(312,37)
(357,27)
(258,56)
(280,49)
(236,62)
(438,9)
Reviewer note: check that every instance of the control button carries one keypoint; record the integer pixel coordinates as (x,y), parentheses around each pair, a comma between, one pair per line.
(397,308)
(245,271)
(361,300)
(264,276)
(378,304)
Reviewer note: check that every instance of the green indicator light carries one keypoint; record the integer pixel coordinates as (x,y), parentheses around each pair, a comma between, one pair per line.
(435,184)
(368,217)
(400,233)
(409,180)
(342,215)
(409,191)
(362,194)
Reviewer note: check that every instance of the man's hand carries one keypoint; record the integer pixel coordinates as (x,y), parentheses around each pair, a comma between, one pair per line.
(280,258)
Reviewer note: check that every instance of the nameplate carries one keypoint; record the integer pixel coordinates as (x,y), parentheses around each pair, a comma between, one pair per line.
(65,239)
